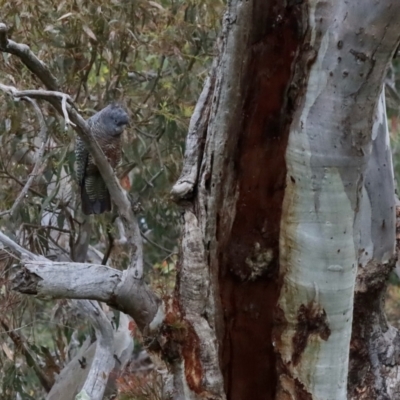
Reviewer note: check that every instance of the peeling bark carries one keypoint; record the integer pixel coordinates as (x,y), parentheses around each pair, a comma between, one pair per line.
(200,352)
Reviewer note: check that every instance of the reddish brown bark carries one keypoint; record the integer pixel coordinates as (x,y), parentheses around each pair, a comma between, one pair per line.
(248,285)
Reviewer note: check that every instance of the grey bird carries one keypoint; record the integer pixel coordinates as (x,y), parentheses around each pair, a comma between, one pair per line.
(106,126)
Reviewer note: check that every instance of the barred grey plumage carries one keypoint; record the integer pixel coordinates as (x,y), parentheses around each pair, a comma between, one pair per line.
(106,126)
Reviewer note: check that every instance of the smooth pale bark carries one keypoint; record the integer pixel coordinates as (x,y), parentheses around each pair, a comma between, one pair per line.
(327,156)
(103,360)
(73,376)
(375,346)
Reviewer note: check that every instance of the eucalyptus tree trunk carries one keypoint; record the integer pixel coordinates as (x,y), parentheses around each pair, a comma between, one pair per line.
(287,190)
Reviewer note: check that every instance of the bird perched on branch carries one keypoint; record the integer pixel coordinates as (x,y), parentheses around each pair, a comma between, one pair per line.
(107,127)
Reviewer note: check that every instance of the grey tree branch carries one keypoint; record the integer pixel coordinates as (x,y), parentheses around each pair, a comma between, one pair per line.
(195,139)
(103,361)
(28,282)
(41,94)
(67,280)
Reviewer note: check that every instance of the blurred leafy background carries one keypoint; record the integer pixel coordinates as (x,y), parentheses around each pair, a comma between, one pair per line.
(151,56)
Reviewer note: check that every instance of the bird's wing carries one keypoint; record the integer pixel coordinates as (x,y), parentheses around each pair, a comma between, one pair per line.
(82,159)
(82,156)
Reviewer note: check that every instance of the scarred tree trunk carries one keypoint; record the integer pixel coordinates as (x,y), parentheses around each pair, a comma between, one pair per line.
(278,189)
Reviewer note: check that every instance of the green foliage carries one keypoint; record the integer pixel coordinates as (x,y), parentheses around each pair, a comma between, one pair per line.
(14,381)
(152,56)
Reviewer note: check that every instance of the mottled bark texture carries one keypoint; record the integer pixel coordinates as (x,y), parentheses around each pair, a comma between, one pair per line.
(374,371)
(275,188)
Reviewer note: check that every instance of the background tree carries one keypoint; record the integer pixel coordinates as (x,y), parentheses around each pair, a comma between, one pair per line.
(286,148)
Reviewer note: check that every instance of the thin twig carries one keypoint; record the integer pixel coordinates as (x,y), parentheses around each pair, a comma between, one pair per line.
(159,154)
(55,228)
(145,134)
(150,183)
(109,247)
(44,137)
(87,72)
(41,94)
(168,251)
(155,80)
(18,249)
(14,178)
(58,204)
(57,245)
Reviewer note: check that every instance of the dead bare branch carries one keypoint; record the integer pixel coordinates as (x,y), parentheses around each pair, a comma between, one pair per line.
(103,362)
(41,94)
(68,280)
(183,188)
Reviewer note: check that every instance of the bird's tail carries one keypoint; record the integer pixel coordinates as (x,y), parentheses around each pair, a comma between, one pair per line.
(95,196)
